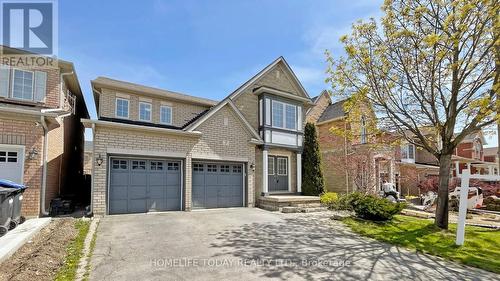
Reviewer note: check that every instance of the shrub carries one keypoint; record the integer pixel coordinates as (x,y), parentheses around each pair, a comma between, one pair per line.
(329,199)
(377,209)
(313,182)
(348,201)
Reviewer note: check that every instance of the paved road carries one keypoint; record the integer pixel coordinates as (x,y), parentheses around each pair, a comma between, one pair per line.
(252,244)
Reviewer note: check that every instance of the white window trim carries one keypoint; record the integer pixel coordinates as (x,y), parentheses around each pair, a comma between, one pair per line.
(12,74)
(128,108)
(406,148)
(283,106)
(278,165)
(150,111)
(171,114)
(274,166)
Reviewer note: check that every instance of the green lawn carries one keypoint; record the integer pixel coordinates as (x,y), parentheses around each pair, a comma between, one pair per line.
(74,252)
(481,248)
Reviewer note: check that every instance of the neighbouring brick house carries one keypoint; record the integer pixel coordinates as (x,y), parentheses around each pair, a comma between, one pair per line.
(41,136)
(88,157)
(364,160)
(157,150)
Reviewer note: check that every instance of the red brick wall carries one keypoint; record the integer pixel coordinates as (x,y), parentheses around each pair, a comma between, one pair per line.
(27,133)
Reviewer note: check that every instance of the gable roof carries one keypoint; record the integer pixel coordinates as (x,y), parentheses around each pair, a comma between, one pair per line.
(204,117)
(264,71)
(333,111)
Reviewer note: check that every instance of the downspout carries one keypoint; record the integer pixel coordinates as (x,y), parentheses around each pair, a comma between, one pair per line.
(91,211)
(43,211)
(61,96)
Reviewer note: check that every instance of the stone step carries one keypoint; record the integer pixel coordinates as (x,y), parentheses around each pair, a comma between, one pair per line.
(288,210)
(306,205)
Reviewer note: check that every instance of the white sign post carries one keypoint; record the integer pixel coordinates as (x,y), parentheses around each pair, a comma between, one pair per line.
(462,207)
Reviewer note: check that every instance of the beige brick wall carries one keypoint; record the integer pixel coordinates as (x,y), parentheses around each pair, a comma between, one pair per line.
(18,130)
(54,162)
(247,102)
(321,104)
(52,91)
(87,163)
(211,145)
(181,112)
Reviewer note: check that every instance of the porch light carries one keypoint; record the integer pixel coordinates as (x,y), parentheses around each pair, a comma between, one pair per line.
(32,154)
(252,166)
(99,160)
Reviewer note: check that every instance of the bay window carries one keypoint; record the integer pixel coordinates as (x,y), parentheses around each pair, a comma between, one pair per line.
(408,153)
(284,115)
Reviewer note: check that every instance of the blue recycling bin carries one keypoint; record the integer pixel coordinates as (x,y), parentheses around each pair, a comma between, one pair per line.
(16,194)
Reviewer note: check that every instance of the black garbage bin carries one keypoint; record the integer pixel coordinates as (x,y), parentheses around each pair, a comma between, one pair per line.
(6,207)
(17,196)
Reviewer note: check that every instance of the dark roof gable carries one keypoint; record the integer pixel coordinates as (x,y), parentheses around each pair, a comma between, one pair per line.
(333,111)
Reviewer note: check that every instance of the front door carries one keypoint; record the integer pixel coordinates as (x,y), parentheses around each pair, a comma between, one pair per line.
(277,173)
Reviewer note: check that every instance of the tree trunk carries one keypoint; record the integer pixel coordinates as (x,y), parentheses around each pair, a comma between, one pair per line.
(442,201)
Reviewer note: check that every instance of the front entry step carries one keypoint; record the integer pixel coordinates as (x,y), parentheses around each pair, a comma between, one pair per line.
(288,210)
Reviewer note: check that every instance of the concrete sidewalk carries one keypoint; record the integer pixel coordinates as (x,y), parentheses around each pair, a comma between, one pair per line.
(15,239)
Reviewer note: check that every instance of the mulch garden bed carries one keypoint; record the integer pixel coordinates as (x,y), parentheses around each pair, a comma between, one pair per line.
(41,257)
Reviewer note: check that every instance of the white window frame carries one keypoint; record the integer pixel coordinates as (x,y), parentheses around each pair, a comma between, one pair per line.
(171,114)
(150,111)
(13,74)
(406,149)
(283,107)
(116,108)
(268,166)
(278,158)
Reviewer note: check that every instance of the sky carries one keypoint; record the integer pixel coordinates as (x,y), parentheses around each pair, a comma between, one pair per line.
(205,48)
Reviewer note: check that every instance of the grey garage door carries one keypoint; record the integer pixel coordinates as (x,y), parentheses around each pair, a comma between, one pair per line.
(144,185)
(217,185)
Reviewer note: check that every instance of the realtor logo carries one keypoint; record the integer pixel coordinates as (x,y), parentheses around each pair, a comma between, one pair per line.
(29,25)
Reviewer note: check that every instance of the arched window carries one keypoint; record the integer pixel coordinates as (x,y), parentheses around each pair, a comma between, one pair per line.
(363,129)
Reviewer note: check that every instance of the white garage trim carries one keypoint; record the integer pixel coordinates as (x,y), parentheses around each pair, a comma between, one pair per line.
(145,153)
(20,157)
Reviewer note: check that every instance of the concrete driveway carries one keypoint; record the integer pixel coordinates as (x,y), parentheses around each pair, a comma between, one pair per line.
(252,244)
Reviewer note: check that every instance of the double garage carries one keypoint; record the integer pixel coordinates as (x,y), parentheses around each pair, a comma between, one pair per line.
(139,185)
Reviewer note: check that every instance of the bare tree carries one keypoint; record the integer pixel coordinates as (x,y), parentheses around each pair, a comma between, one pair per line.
(430,70)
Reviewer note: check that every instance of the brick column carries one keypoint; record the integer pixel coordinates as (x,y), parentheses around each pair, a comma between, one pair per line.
(188,187)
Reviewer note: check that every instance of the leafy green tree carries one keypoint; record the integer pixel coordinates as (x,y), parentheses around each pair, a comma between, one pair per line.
(430,70)
(312,175)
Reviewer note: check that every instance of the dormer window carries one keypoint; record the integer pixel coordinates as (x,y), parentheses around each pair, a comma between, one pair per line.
(408,153)
(122,106)
(166,115)
(145,111)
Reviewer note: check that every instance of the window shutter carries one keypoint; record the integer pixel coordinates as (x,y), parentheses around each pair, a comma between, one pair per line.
(40,85)
(4,81)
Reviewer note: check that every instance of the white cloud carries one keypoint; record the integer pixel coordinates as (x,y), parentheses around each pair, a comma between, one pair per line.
(309,75)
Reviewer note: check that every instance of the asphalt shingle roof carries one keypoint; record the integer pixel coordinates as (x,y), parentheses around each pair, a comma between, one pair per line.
(334,110)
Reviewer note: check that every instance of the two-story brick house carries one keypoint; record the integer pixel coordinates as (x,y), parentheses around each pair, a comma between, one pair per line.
(41,136)
(157,150)
(364,160)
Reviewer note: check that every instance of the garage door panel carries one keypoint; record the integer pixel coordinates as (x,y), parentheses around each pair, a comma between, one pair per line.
(137,206)
(118,192)
(118,206)
(157,204)
(217,185)
(173,205)
(141,185)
